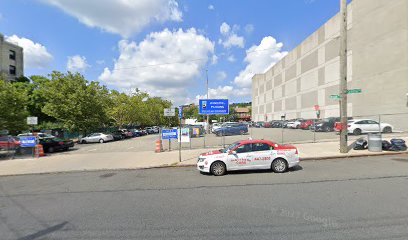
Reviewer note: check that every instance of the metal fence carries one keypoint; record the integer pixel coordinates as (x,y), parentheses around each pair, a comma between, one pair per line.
(392,126)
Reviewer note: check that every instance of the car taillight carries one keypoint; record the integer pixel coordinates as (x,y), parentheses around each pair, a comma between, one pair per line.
(61,143)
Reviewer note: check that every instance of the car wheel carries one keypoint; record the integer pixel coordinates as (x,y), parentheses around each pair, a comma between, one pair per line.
(327,129)
(241,132)
(357,131)
(387,130)
(279,165)
(83,142)
(218,168)
(51,150)
(101,141)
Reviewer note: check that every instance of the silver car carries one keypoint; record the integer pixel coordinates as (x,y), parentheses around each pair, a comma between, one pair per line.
(96,137)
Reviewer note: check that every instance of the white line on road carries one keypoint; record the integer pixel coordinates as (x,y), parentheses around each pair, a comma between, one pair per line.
(131,147)
(92,150)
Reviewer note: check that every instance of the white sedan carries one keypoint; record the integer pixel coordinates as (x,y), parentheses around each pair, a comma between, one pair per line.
(96,137)
(359,126)
(249,155)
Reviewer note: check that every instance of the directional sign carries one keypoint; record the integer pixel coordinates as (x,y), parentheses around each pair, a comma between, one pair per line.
(168,134)
(32,120)
(357,90)
(28,141)
(335,97)
(214,106)
(180,112)
(169,112)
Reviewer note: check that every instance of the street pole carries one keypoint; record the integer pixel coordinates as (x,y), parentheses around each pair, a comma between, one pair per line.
(343,76)
(208,116)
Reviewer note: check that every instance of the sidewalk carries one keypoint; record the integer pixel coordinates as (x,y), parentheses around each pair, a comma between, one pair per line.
(66,162)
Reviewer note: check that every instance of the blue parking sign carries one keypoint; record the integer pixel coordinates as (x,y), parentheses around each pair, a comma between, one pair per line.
(168,134)
(214,106)
(28,141)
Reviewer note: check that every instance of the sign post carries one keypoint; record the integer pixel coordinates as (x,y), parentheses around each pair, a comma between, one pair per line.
(169,112)
(180,117)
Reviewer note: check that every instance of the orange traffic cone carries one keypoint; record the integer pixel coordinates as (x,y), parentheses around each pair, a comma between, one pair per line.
(39,150)
(158,146)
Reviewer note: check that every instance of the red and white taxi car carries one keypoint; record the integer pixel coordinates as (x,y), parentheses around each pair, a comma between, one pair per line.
(248,155)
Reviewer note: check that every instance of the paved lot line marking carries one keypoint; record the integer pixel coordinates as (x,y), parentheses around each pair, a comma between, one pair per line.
(131,147)
(92,150)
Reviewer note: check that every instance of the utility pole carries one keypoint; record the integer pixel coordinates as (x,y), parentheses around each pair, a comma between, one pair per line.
(343,76)
(207,128)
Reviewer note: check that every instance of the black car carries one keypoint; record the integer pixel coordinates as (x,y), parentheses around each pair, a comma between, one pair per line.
(117,135)
(55,144)
(326,125)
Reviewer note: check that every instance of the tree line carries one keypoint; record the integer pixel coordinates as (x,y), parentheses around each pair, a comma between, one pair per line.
(69,101)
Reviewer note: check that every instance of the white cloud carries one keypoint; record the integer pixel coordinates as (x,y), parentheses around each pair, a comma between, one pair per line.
(234,41)
(225,92)
(214,59)
(124,17)
(144,65)
(221,75)
(35,54)
(231,58)
(231,39)
(259,59)
(224,28)
(249,28)
(77,64)
(211,7)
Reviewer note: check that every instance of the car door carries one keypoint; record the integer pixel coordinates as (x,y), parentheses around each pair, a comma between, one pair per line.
(94,137)
(241,158)
(261,155)
(363,125)
(373,126)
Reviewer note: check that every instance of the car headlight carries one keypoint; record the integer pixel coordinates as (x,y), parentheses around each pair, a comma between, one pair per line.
(201,159)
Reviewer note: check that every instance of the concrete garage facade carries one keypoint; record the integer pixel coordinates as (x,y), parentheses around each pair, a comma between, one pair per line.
(307,76)
(11,60)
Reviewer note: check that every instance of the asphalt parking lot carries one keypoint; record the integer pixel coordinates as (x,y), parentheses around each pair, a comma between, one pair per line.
(147,143)
(359,198)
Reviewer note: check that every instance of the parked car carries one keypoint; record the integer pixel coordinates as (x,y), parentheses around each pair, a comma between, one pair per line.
(326,125)
(290,124)
(51,145)
(151,130)
(38,134)
(306,125)
(232,129)
(278,124)
(96,137)
(337,125)
(8,145)
(359,126)
(249,155)
(126,133)
(117,135)
(268,124)
(215,126)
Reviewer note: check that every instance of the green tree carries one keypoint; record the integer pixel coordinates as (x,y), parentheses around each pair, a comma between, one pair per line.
(13,105)
(78,104)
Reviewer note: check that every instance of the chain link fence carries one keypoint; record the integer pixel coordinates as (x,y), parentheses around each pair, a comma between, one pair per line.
(323,130)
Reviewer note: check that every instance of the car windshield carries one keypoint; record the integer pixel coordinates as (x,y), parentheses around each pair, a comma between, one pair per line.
(230,147)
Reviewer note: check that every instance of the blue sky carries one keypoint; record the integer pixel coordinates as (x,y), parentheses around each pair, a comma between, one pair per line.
(162,46)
